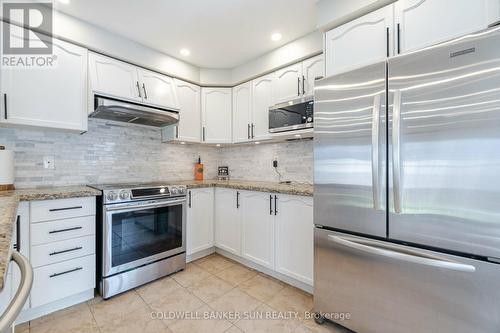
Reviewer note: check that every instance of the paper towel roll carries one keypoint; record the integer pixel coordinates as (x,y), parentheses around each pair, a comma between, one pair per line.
(6,167)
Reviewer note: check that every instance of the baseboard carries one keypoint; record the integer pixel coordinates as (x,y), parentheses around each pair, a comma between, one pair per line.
(200,254)
(291,281)
(30,314)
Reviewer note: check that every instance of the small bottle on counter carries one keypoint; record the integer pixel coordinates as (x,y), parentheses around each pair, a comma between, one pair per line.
(198,170)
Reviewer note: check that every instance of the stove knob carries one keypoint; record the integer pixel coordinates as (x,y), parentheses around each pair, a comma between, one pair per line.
(182,190)
(174,190)
(112,196)
(309,119)
(124,195)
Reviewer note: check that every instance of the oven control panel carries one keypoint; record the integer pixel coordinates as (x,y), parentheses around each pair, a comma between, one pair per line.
(141,193)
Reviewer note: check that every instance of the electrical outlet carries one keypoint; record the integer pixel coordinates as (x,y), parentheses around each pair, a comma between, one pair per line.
(275,163)
(48,162)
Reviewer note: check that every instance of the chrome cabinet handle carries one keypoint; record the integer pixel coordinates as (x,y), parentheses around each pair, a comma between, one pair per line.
(387,34)
(176,131)
(298,86)
(237,199)
(66,272)
(399,38)
(393,252)
(275,205)
(253,130)
(303,85)
(64,230)
(66,208)
(5,106)
(138,88)
(270,205)
(396,151)
(203,133)
(248,131)
(189,202)
(375,152)
(65,251)
(145,93)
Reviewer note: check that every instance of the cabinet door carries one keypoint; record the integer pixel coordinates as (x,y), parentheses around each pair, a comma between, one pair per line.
(426,22)
(228,220)
(114,78)
(258,228)
(262,99)
(242,109)
(360,42)
(287,83)
(158,90)
(52,97)
(200,220)
(189,127)
(216,115)
(294,237)
(311,69)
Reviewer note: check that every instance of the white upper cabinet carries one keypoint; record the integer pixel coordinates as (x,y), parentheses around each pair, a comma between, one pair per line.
(216,112)
(258,228)
(312,68)
(110,77)
(158,90)
(426,22)
(189,127)
(242,113)
(287,83)
(262,99)
(294,237)
(52,97)
(200,220)
(360,42)
(228,220)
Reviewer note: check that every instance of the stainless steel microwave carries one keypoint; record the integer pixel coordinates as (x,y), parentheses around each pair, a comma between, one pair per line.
(293,115)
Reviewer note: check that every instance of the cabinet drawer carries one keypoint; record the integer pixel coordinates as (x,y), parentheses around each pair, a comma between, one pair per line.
(48,210)
(54,231)
(57,281)
(52,253)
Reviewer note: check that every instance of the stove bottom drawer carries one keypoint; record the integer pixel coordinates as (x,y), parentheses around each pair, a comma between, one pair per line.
(57,281)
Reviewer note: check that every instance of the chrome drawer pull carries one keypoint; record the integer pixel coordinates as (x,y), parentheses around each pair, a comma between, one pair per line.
(65,251)
(63,230)
(67,208)
(66,272)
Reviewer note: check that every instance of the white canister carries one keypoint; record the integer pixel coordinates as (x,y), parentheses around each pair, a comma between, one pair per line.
(6,166)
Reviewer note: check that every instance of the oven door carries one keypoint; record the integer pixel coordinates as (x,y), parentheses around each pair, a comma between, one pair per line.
(139,233)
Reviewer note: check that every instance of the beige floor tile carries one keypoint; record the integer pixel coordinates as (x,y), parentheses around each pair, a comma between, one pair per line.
(157,289)
(211,288)
(137,321)
(61,313)
(177,303)
(211,325)
(236,274)
(79,321)
(270,323)
(214,263)
(117,307)
(235,302)
(190,275)
(292,299)
(261,287)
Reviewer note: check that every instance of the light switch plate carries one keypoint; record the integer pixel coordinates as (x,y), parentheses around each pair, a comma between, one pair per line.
(49,162)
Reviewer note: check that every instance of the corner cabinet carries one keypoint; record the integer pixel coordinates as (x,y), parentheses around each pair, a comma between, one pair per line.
(294,237)
(423,23)
(360,42)
(216,113)
(200,220)
(228,212)
(52,96)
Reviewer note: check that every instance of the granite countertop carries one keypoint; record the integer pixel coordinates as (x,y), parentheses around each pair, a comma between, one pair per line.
(9,201)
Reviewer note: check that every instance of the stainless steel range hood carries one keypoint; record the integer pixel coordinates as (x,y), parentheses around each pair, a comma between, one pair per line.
(133,113)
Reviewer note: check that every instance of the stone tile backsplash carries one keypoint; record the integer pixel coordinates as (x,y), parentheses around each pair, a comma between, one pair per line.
(114,153)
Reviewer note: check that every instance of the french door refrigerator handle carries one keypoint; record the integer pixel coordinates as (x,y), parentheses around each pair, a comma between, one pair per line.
(392,252)
(375,152)
(396,151)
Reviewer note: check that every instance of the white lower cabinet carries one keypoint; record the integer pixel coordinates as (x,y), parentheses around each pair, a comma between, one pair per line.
(228,222)
(258,228)
(200,220)
(294,237)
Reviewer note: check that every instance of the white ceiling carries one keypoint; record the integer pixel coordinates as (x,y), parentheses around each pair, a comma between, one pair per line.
(219,33)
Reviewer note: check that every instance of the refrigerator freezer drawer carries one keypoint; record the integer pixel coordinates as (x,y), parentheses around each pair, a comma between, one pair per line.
(388,288)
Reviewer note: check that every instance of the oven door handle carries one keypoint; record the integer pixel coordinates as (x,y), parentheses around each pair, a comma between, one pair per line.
(152,205)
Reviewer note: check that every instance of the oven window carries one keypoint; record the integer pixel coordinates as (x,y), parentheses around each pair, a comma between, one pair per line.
(143,233)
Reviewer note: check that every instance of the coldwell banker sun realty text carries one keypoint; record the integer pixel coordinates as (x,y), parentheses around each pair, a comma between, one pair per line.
(27,34)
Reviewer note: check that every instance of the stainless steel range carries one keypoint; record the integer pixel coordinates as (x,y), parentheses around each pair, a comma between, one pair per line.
(142,236)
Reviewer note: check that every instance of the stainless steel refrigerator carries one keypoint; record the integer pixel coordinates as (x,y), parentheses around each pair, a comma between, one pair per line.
(407,191)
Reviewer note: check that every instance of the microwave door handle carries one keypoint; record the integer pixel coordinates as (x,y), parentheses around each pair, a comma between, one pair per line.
(396,151)
(375,152)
